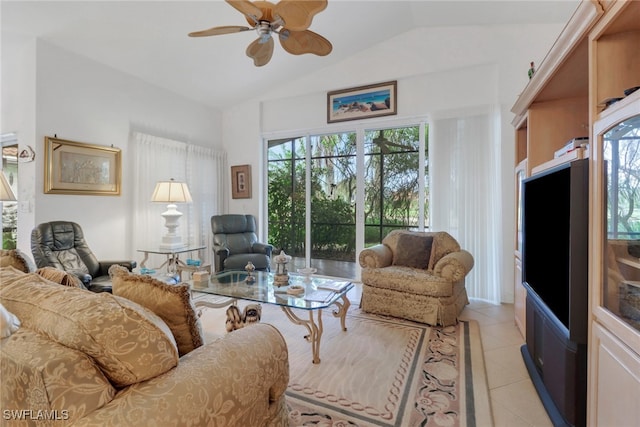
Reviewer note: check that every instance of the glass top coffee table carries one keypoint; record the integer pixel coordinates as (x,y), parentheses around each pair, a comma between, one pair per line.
(307,293)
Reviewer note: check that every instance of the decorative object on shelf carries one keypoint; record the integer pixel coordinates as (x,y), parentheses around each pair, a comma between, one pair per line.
(241,182)
(532,70)
(250,268)
(26,155)
(282,274)
(235,320)
(88,169)
(362,102)
(307,272)
(171,192)
(6,193)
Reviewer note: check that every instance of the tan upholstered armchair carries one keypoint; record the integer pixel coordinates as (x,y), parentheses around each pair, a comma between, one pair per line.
(417,276)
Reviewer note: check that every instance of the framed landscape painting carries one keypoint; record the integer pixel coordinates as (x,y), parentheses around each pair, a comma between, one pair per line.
(362,102)
(72,167)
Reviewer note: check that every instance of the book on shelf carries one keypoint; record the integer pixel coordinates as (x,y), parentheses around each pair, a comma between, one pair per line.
(334,286)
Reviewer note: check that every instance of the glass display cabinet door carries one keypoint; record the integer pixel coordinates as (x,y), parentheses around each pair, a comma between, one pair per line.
(621,282)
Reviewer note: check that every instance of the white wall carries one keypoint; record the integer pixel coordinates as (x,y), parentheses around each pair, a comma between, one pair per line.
(80,100)
(438,70)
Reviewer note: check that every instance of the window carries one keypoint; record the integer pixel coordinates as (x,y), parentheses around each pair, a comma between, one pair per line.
(10,209)
(312,193)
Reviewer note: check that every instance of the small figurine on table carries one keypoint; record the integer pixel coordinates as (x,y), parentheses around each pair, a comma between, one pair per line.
(532,70)
(250,268)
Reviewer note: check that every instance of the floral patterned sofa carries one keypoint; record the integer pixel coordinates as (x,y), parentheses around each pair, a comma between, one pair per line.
(417,276)
(86,359)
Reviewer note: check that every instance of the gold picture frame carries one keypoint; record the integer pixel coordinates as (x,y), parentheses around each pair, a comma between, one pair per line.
(72,167)
(241,182)
(362,102)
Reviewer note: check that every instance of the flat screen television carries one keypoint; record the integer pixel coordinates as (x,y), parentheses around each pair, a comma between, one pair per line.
(555,243)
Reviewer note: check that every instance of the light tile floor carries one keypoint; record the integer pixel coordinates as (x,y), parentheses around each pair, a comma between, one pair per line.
(514,400)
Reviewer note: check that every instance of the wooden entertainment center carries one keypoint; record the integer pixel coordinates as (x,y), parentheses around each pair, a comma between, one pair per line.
(579,91)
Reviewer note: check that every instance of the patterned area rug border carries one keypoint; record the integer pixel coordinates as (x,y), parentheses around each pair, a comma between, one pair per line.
(435,393)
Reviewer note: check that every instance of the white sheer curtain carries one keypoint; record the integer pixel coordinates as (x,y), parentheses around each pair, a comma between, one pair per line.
(160,159)
(206,175)
(465,187)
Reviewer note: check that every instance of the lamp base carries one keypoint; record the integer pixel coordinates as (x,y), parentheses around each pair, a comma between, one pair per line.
(172,242)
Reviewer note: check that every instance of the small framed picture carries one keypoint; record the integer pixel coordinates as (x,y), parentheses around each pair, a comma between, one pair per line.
(241,182)
(362,102)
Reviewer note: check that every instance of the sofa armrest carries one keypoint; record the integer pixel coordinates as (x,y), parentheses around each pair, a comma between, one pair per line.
(239,379)
(454,266)
(263,248)
(377,256)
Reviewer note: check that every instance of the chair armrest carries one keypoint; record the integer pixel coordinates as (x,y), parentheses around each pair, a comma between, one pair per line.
(263,248)
(85,278)
(222,251)
(454,266)
(105,265)
(239,379)
(377,256)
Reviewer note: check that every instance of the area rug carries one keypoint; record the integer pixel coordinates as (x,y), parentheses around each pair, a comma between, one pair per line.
(382,371)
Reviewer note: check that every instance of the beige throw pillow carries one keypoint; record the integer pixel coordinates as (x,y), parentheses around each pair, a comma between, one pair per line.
(60,276)
(129,343)
(172,303)
(17,259)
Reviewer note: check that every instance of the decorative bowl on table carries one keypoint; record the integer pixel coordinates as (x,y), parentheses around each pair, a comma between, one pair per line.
(295,290)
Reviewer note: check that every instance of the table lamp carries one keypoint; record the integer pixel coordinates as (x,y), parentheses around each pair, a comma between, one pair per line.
(6,193)
(171,192)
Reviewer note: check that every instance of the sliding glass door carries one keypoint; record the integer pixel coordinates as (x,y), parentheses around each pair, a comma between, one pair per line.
(319,202)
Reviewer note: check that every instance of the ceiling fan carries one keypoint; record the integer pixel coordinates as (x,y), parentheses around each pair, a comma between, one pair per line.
(290,19)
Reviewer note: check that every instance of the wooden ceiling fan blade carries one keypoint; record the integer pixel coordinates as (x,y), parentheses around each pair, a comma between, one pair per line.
(301,42)
(298,14)
(260,52)
(216,31)
(247,8)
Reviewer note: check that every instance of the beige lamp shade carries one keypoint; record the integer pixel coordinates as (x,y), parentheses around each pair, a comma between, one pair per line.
(6,193)
(171,192)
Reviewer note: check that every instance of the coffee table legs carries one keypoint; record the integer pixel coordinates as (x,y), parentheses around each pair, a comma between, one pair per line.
(314,327)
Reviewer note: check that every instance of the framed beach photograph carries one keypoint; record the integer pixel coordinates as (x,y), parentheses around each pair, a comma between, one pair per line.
(241,182)
(362,102)
(72,167)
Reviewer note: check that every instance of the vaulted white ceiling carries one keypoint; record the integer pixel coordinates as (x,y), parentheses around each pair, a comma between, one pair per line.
(148,39)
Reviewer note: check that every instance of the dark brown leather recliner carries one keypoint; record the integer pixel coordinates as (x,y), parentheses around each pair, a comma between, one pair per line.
(235,243)
(61,244)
